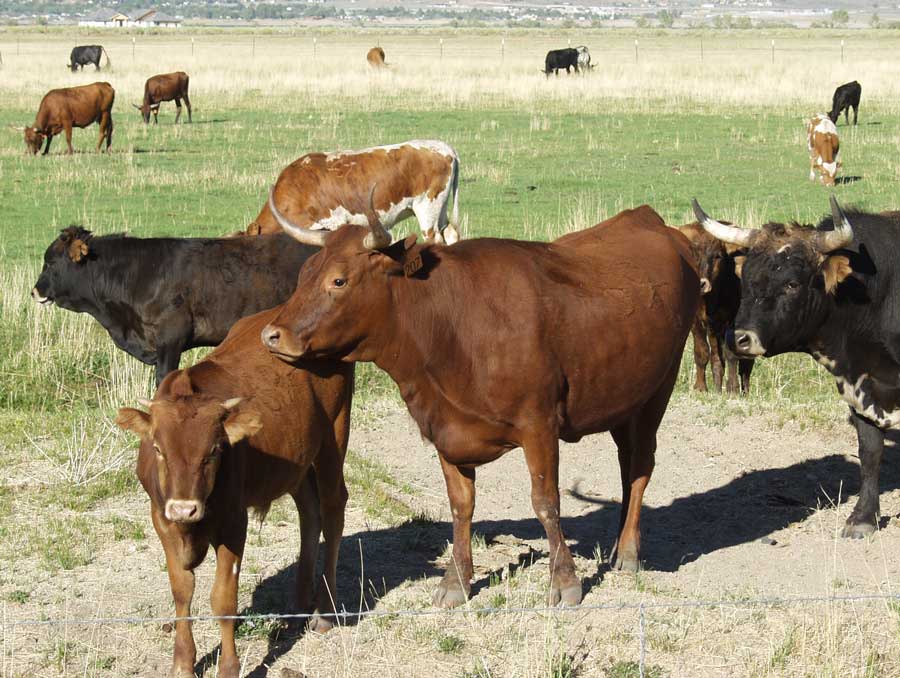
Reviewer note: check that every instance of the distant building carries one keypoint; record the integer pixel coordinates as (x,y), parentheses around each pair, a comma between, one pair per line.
(144,18)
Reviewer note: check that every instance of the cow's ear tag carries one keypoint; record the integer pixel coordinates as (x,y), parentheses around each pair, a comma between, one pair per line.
(411,267)
(78,250)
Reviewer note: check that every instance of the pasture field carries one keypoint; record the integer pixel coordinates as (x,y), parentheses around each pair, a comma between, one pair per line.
(748,496)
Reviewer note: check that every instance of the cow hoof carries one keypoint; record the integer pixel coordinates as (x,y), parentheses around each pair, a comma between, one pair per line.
(319,624)
(181,672)
(569,596)
(857,530)
(448,597)
(626,563)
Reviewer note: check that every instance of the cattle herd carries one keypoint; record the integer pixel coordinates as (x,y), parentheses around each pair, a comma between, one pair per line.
(495,344)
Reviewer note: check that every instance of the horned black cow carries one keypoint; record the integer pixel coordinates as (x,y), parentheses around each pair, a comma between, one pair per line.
(83,55)
(557,59)
(158,297)
(845,97)
(832,292)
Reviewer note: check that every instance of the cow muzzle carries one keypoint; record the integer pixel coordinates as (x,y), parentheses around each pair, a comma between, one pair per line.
(747,343)
(184,510)
(40,298)
(281,343)
(705,286)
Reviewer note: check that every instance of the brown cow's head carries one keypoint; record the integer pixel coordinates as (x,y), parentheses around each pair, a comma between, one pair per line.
(189,434)
(343,292)
(787,279)
(714,257)
(145,111)
(34,139)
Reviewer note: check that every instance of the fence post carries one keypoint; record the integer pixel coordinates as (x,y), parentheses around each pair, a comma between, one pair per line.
(635,51)
(773,50)
(17,45)
(253,47)
(132,47)
(442,49)
(842,51)
(315,41)
(192,47)
(701,49)
(502,49)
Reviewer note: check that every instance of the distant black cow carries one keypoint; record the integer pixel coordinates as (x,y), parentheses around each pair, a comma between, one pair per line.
(561,58)
(87,54)
(845,96)
(158,297)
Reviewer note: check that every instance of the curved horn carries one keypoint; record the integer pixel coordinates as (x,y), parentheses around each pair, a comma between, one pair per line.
(378,237)
(304,235)
(841,236)
(145,403)
(724,232)
(137,107)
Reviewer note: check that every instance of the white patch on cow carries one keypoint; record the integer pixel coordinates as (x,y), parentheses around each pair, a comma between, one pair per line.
(829,167)
(234,569)
(339,216)
(825,361)
(812,175)
(855,395)
(823,125)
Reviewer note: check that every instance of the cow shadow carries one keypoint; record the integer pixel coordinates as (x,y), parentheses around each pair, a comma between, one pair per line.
(749,507)
(847,180)
(154,151)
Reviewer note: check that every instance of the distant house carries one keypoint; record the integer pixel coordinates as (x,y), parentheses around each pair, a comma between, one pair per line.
(145,18)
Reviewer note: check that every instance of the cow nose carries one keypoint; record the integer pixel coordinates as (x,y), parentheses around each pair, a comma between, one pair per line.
(183,510)
(747,342)
(705,286)
(271,335)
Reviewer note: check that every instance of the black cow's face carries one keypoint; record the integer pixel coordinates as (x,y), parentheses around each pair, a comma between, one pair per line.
(64,261)
(783,299)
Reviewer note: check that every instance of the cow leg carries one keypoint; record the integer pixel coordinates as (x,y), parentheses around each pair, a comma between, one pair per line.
(855,114)
(181,581)
(636,440)
(745,367)
(47,146)
(105,124)
(847,115)
(864,518)
(156,115)
(701,353)
(177,110)
(187,102)
(718,362)
(332,502)
(306,498)
(542,457)
(456,584)
(223,599)
(68,130)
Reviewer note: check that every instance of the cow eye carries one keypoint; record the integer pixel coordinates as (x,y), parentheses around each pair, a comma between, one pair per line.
(792,285)
(339,282)
(157,450)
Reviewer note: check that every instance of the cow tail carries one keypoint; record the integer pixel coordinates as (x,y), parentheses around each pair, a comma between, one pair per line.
(454,187)
(108,60)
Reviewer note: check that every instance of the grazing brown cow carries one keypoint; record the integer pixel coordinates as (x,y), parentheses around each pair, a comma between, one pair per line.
(63,109)
(236,431)
(498,344)
(824,149)
(165,87)
(323,191)
(375,57)
(719,267)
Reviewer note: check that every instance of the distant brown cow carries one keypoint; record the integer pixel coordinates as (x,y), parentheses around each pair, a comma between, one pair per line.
(721,287)
(238,430)
(498,344)
(63,109)
(165,87)
(375,57)
(323,191)
(824,149)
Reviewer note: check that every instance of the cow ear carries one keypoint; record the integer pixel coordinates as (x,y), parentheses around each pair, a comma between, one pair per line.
(240,425)
(78,250)
(410,240)
(136,421)
(835,270)
(734,250)
(739,264)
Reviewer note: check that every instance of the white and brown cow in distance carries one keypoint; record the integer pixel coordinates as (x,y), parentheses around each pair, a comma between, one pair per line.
(824,148)
(324,191)
(375,58)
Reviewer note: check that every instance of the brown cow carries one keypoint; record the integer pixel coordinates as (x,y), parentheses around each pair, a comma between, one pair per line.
(238,430)
(375,57)
(824,149)
(719,267)
(165,87)
(63,109)
(498,344)
(323,191)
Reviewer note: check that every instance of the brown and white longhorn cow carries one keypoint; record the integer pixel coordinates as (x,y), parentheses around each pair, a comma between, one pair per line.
(322,191)
(824,149)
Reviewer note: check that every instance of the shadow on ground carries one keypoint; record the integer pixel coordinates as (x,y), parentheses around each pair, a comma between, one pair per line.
(751,506)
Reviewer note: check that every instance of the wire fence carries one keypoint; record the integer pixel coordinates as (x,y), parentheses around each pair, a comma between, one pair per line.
(345,617)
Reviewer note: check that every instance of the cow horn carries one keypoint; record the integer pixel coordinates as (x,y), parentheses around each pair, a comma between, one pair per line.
(136,106)
(17,128)
(145,403)
(841,236)
(303,235)
(378,237)
(724,232)
(231,403)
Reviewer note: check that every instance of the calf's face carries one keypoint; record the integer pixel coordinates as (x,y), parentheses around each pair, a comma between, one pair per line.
(189,436)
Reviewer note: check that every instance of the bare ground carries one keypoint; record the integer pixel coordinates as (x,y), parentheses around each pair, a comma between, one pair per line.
(734,513)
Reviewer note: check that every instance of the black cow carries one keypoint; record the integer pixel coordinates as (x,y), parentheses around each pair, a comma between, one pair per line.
(561,58)
(87,54)
(845,96)
(833,292)
(158,297)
